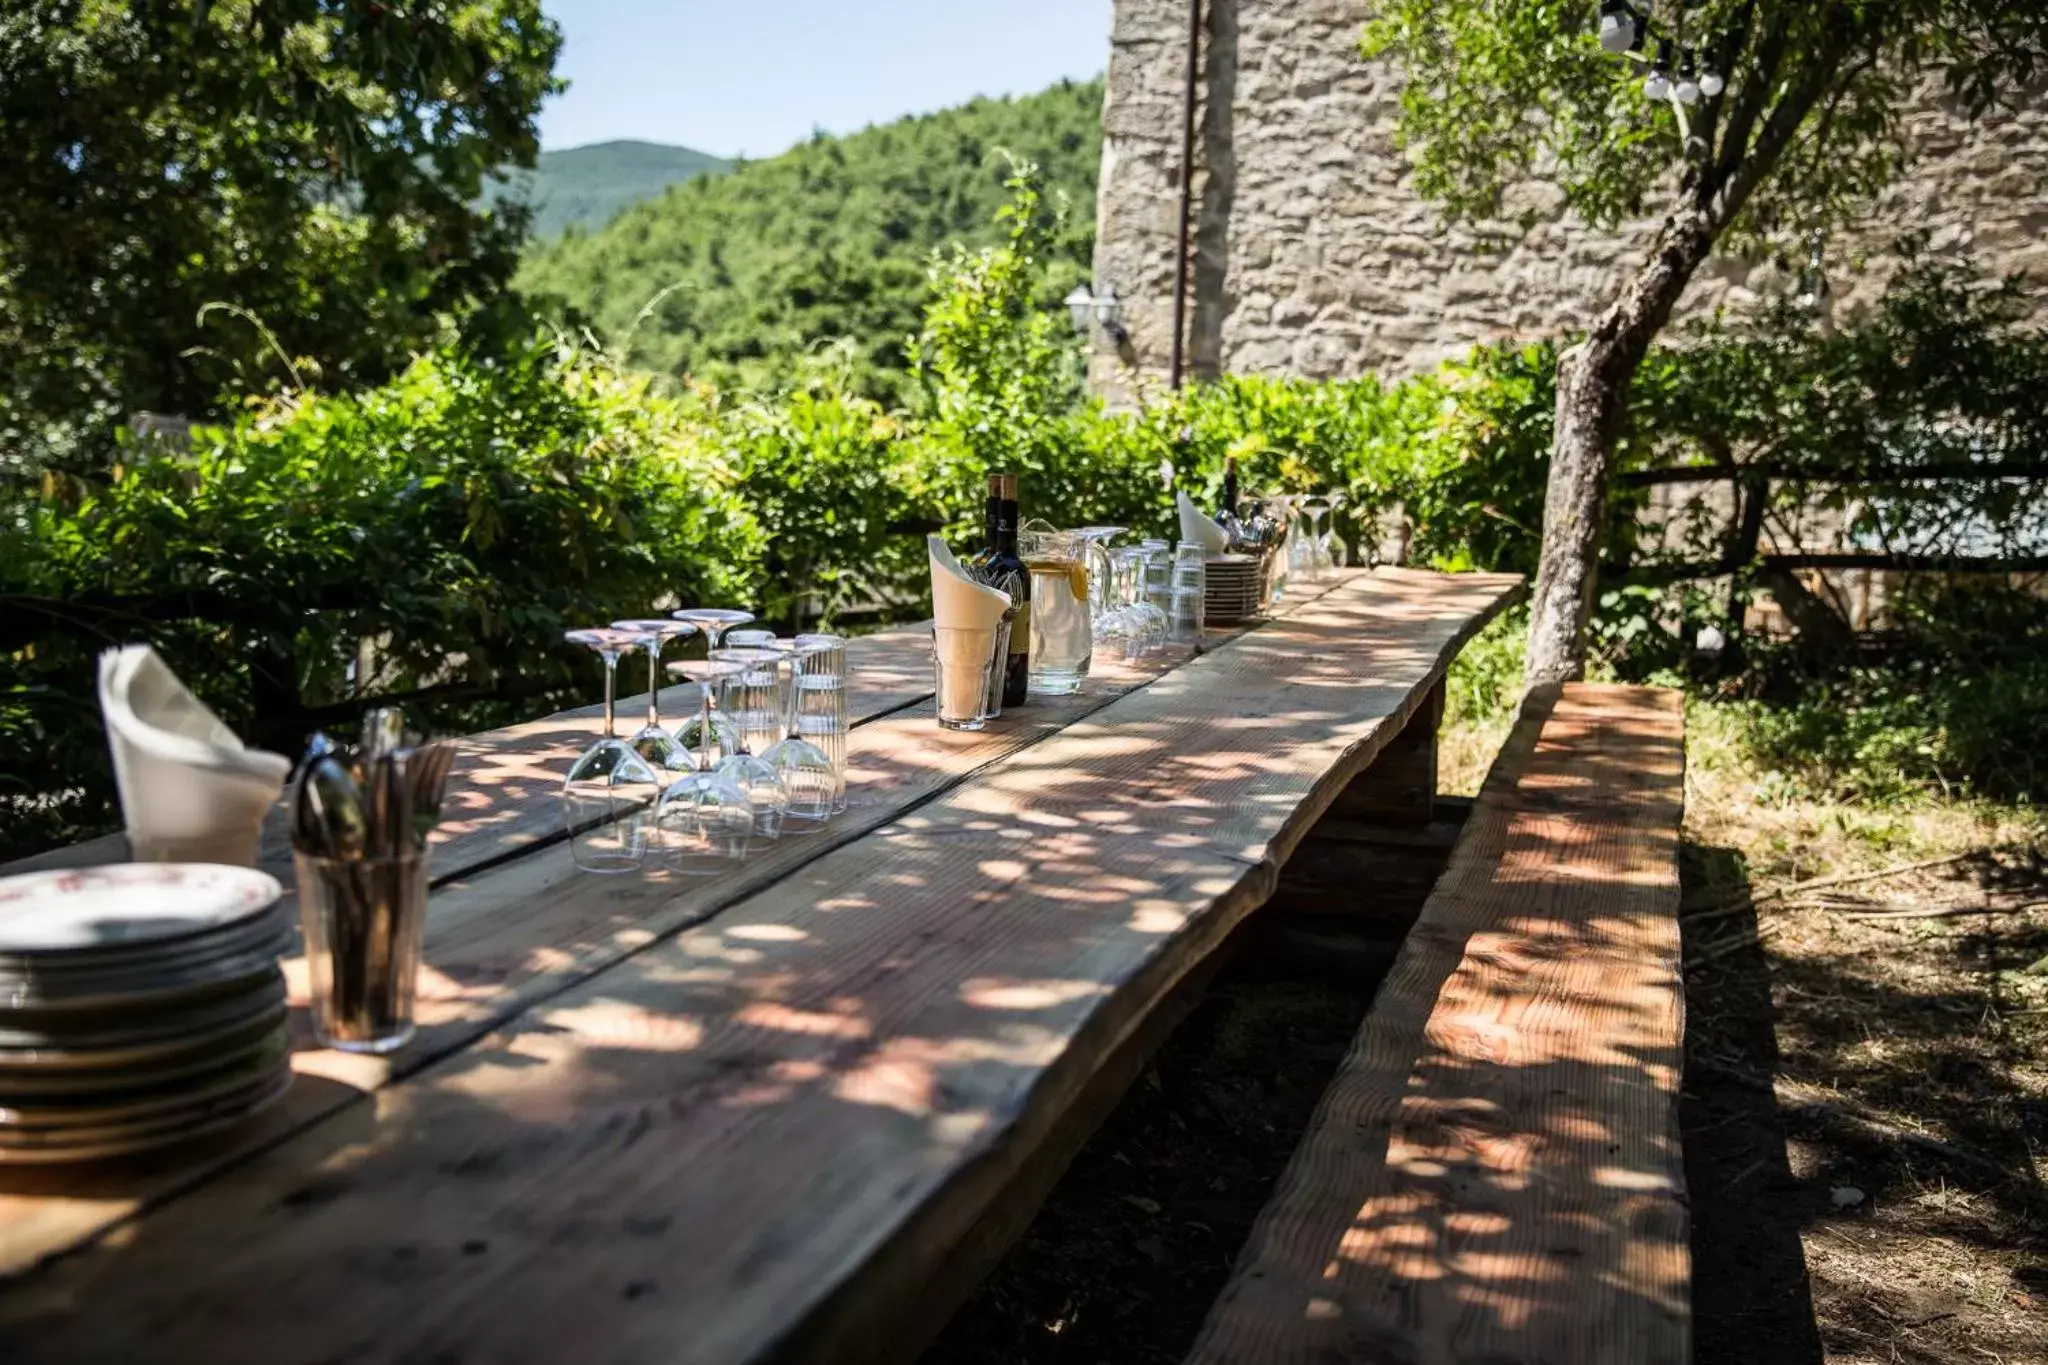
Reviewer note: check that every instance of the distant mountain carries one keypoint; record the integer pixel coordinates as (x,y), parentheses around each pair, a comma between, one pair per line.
(588,186)
(736,278)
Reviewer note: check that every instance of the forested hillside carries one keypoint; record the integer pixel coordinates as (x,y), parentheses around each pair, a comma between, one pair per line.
(587,186)
(748,272)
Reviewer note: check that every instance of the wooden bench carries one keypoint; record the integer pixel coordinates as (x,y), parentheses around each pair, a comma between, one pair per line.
(1494,1175)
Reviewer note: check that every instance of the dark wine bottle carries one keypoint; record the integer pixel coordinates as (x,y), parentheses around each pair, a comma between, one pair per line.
(1229,508)
(999,566)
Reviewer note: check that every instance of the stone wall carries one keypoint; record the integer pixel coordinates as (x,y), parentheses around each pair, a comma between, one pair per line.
(1314,255)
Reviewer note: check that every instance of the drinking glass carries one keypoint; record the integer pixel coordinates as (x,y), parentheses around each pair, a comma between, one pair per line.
(705,820)
(1096,541)
(819,711)
(754,696)
(1143,626)
(1314,508)
(1283,512)
(1061,634)
(1190,595)
(662,750)
(709,732)
(1158,573)
(363,919)
(608,788)
(961,660)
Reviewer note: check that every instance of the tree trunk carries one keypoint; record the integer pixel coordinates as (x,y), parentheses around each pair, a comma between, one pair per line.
(1593,380)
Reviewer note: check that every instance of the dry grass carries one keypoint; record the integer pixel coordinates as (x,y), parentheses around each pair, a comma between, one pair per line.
(1912,1049)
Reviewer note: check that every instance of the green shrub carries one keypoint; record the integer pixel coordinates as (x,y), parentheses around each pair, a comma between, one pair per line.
(834,487)
(999,388)
(434,535)
(1955,706)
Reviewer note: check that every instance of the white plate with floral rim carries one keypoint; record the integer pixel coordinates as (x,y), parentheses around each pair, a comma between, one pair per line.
(83,910)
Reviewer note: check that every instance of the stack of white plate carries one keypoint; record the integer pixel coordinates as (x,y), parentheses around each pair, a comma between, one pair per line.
(1234,587)
(140,1005)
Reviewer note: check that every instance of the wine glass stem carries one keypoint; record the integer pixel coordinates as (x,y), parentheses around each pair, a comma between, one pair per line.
(654,685)
(611,678)
(704,730)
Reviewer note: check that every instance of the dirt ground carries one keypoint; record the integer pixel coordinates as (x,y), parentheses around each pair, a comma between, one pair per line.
(1866,1097)
(1865,1110)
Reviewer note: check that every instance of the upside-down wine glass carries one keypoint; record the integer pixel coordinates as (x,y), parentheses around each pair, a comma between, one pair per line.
(660,748)
(710,726)
(1314,508)
(1335,554)
(713,621)
(1143,626)
(606,793)
(705,820)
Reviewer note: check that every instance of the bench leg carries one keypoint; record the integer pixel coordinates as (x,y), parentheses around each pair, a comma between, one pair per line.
(1400,786)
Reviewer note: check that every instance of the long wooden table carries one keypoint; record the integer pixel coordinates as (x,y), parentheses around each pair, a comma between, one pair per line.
(761,1116)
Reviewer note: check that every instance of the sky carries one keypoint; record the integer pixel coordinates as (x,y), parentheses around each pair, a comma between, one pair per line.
(753,77)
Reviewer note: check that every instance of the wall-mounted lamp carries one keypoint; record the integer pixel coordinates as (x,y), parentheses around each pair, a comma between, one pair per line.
(1104,309)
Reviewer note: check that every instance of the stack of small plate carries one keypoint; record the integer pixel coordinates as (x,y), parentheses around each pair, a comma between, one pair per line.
(140,1005)
(1234,583)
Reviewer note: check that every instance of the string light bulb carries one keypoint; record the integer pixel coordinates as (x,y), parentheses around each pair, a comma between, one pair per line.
(1657,85)
(1687,91)
(1621,29)
(1711,84)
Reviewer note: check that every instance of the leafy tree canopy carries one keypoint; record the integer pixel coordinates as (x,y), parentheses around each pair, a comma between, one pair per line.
(312,163)
(1505,91)
(1805,125)
(737,278)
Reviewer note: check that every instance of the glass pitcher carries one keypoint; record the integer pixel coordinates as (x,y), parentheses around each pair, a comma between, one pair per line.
(1061,637)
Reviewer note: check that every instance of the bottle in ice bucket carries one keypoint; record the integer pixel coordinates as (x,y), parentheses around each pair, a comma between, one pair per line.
(1061,640)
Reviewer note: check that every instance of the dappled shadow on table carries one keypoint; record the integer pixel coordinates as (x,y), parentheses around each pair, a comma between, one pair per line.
(721,1129)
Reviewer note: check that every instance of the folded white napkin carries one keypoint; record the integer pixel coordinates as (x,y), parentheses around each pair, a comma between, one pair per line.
(191,791)
(1197,528)
(958,602)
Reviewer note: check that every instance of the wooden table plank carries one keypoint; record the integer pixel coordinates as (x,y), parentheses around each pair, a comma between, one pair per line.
(758,1136)
(518,932)
(504,784)
(1495,1173)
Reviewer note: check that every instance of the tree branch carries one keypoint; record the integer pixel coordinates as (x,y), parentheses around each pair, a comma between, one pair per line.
(1754,99)
(1730,48)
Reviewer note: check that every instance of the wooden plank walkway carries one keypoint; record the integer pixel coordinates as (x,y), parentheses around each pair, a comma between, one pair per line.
(762,1136)
(1495,1174)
